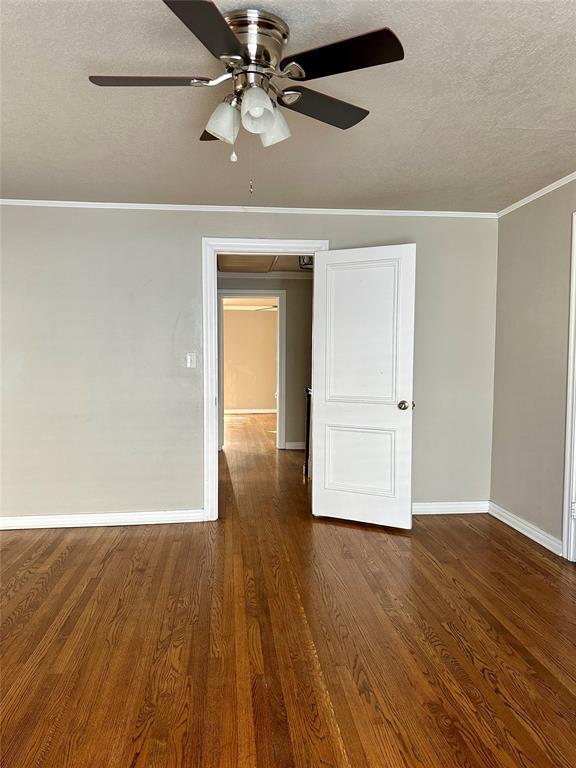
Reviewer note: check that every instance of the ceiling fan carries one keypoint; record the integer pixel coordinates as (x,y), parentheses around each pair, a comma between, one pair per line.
(249,43)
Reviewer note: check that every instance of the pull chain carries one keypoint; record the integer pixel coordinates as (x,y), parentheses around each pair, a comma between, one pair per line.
(251,162)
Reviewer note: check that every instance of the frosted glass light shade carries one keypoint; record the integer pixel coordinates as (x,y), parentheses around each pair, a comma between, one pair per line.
(278,132)
(257,110)
(224,123)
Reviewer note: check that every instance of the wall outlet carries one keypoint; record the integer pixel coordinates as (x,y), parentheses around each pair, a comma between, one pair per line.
(190,360)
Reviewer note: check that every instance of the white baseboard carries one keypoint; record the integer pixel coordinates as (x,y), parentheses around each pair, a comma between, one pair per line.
(97,519)
(528,529)
(294,446)
(249,410)
(449,507)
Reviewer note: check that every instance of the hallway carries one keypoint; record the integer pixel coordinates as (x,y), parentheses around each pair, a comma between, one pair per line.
(273,639)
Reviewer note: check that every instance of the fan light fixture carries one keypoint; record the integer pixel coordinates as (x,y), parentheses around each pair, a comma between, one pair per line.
(257,113)
(250,46)
(278,131)
(224,122)
(257,110)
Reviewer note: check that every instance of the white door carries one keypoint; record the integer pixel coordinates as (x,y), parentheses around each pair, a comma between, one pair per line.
(362,384)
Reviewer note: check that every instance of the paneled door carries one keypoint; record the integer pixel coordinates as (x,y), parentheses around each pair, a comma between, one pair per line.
(362,353)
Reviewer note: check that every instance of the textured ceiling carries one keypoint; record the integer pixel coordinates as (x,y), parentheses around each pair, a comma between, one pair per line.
(481,112)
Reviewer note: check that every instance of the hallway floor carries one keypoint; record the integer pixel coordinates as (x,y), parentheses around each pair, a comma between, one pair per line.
(276,640)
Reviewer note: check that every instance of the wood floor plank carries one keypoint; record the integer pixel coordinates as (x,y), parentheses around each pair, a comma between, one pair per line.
(272,639)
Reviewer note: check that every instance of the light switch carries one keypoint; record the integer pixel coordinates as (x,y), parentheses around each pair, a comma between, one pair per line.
(190,359)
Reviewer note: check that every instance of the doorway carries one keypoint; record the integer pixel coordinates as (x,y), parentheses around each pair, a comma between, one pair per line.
(247,248)
(252,357)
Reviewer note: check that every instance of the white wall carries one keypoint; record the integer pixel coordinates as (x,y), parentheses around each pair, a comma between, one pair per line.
(99,307)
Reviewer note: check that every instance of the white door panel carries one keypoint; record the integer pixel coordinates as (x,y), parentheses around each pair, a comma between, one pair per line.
(362,368)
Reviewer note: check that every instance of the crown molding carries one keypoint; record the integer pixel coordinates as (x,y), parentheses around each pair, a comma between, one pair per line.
(540,193)
(250,209)
(304,211)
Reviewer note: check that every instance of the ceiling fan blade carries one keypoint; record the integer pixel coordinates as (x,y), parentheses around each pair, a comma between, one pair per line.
(207,137)
(121,81)
(378,47)
(314,104)
(205,21)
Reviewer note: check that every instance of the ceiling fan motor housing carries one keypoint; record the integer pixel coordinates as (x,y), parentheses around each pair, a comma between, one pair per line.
(263,35)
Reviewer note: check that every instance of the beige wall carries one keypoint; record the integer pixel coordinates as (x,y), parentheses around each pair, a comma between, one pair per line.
(100,306)
(99,412)
(531,358)
(249,341)
(298,343)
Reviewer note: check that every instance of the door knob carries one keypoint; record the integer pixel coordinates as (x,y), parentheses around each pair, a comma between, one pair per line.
(403,405)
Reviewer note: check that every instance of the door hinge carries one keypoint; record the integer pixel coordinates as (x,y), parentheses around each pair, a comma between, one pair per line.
(573,510)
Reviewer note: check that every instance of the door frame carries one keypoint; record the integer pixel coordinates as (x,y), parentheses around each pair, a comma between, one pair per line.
(211,246)
(569,512)
(280,295)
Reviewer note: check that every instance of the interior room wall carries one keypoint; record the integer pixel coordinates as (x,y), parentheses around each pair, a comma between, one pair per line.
(101,305)
(532,320)
(298,343)
(250,354)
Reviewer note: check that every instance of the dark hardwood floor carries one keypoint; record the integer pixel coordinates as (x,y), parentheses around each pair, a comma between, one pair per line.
(273,639)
